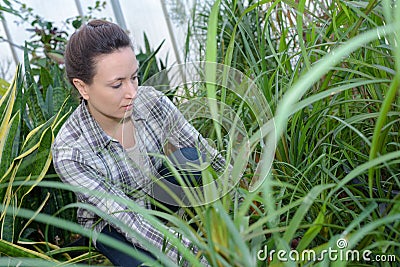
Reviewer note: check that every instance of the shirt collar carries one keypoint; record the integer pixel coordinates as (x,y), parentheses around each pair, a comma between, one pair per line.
(98,138)
(146,100)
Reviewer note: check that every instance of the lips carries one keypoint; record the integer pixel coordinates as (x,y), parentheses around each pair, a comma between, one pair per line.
(127,107)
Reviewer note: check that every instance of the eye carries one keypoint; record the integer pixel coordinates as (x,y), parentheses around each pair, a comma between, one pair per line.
(116,86)
(135,77)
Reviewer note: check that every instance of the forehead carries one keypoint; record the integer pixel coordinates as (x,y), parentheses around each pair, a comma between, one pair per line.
(120,60)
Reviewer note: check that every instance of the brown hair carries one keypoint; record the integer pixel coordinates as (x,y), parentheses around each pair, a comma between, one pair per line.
(95,38)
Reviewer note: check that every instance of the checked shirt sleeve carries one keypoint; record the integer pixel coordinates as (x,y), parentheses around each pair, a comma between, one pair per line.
(74,169)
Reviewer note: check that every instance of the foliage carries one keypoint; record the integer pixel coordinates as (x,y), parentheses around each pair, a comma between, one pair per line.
(34,107)
(149,67)
(47,42)
(336,163)
(38,105)
(329,71)
(3,86)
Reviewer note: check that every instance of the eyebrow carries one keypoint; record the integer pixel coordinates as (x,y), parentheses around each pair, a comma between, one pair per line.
(122,78)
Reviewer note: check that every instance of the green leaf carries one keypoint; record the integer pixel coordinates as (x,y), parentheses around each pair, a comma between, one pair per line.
(3,87)
(33,137)
(28,71)
(6,106)
(49,101)
(303,209)
(34,113)
(379,136)
(7,224)
(35,156)
(313,231)
(211,45)
(45,79)
(77,23)
(8,143)
(59,96)
(13,250)
(211,66)
(43,156)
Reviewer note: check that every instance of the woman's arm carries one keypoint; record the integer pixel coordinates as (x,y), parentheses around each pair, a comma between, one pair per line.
(181,133)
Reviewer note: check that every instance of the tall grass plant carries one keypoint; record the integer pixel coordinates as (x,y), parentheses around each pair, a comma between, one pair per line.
(329,72)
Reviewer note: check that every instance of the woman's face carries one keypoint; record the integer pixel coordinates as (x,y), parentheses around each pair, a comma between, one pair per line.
(115,83)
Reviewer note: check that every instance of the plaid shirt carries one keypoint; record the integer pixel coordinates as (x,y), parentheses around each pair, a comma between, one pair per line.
(85,156)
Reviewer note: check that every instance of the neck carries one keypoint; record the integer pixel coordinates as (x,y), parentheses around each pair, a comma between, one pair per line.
(111,125)
(115,128)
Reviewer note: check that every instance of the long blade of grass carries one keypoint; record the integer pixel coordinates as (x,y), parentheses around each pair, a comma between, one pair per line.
(211,67)
(302,210)
(14,250)
(320,68)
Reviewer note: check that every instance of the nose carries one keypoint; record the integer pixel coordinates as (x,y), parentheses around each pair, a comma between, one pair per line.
(131,90)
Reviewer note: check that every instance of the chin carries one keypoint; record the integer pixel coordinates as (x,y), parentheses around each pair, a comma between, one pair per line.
(127,115)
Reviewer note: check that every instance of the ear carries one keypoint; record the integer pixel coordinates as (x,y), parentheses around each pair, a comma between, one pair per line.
(82,88)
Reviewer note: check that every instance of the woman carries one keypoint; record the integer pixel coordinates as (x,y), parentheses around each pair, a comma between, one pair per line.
(111,141)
